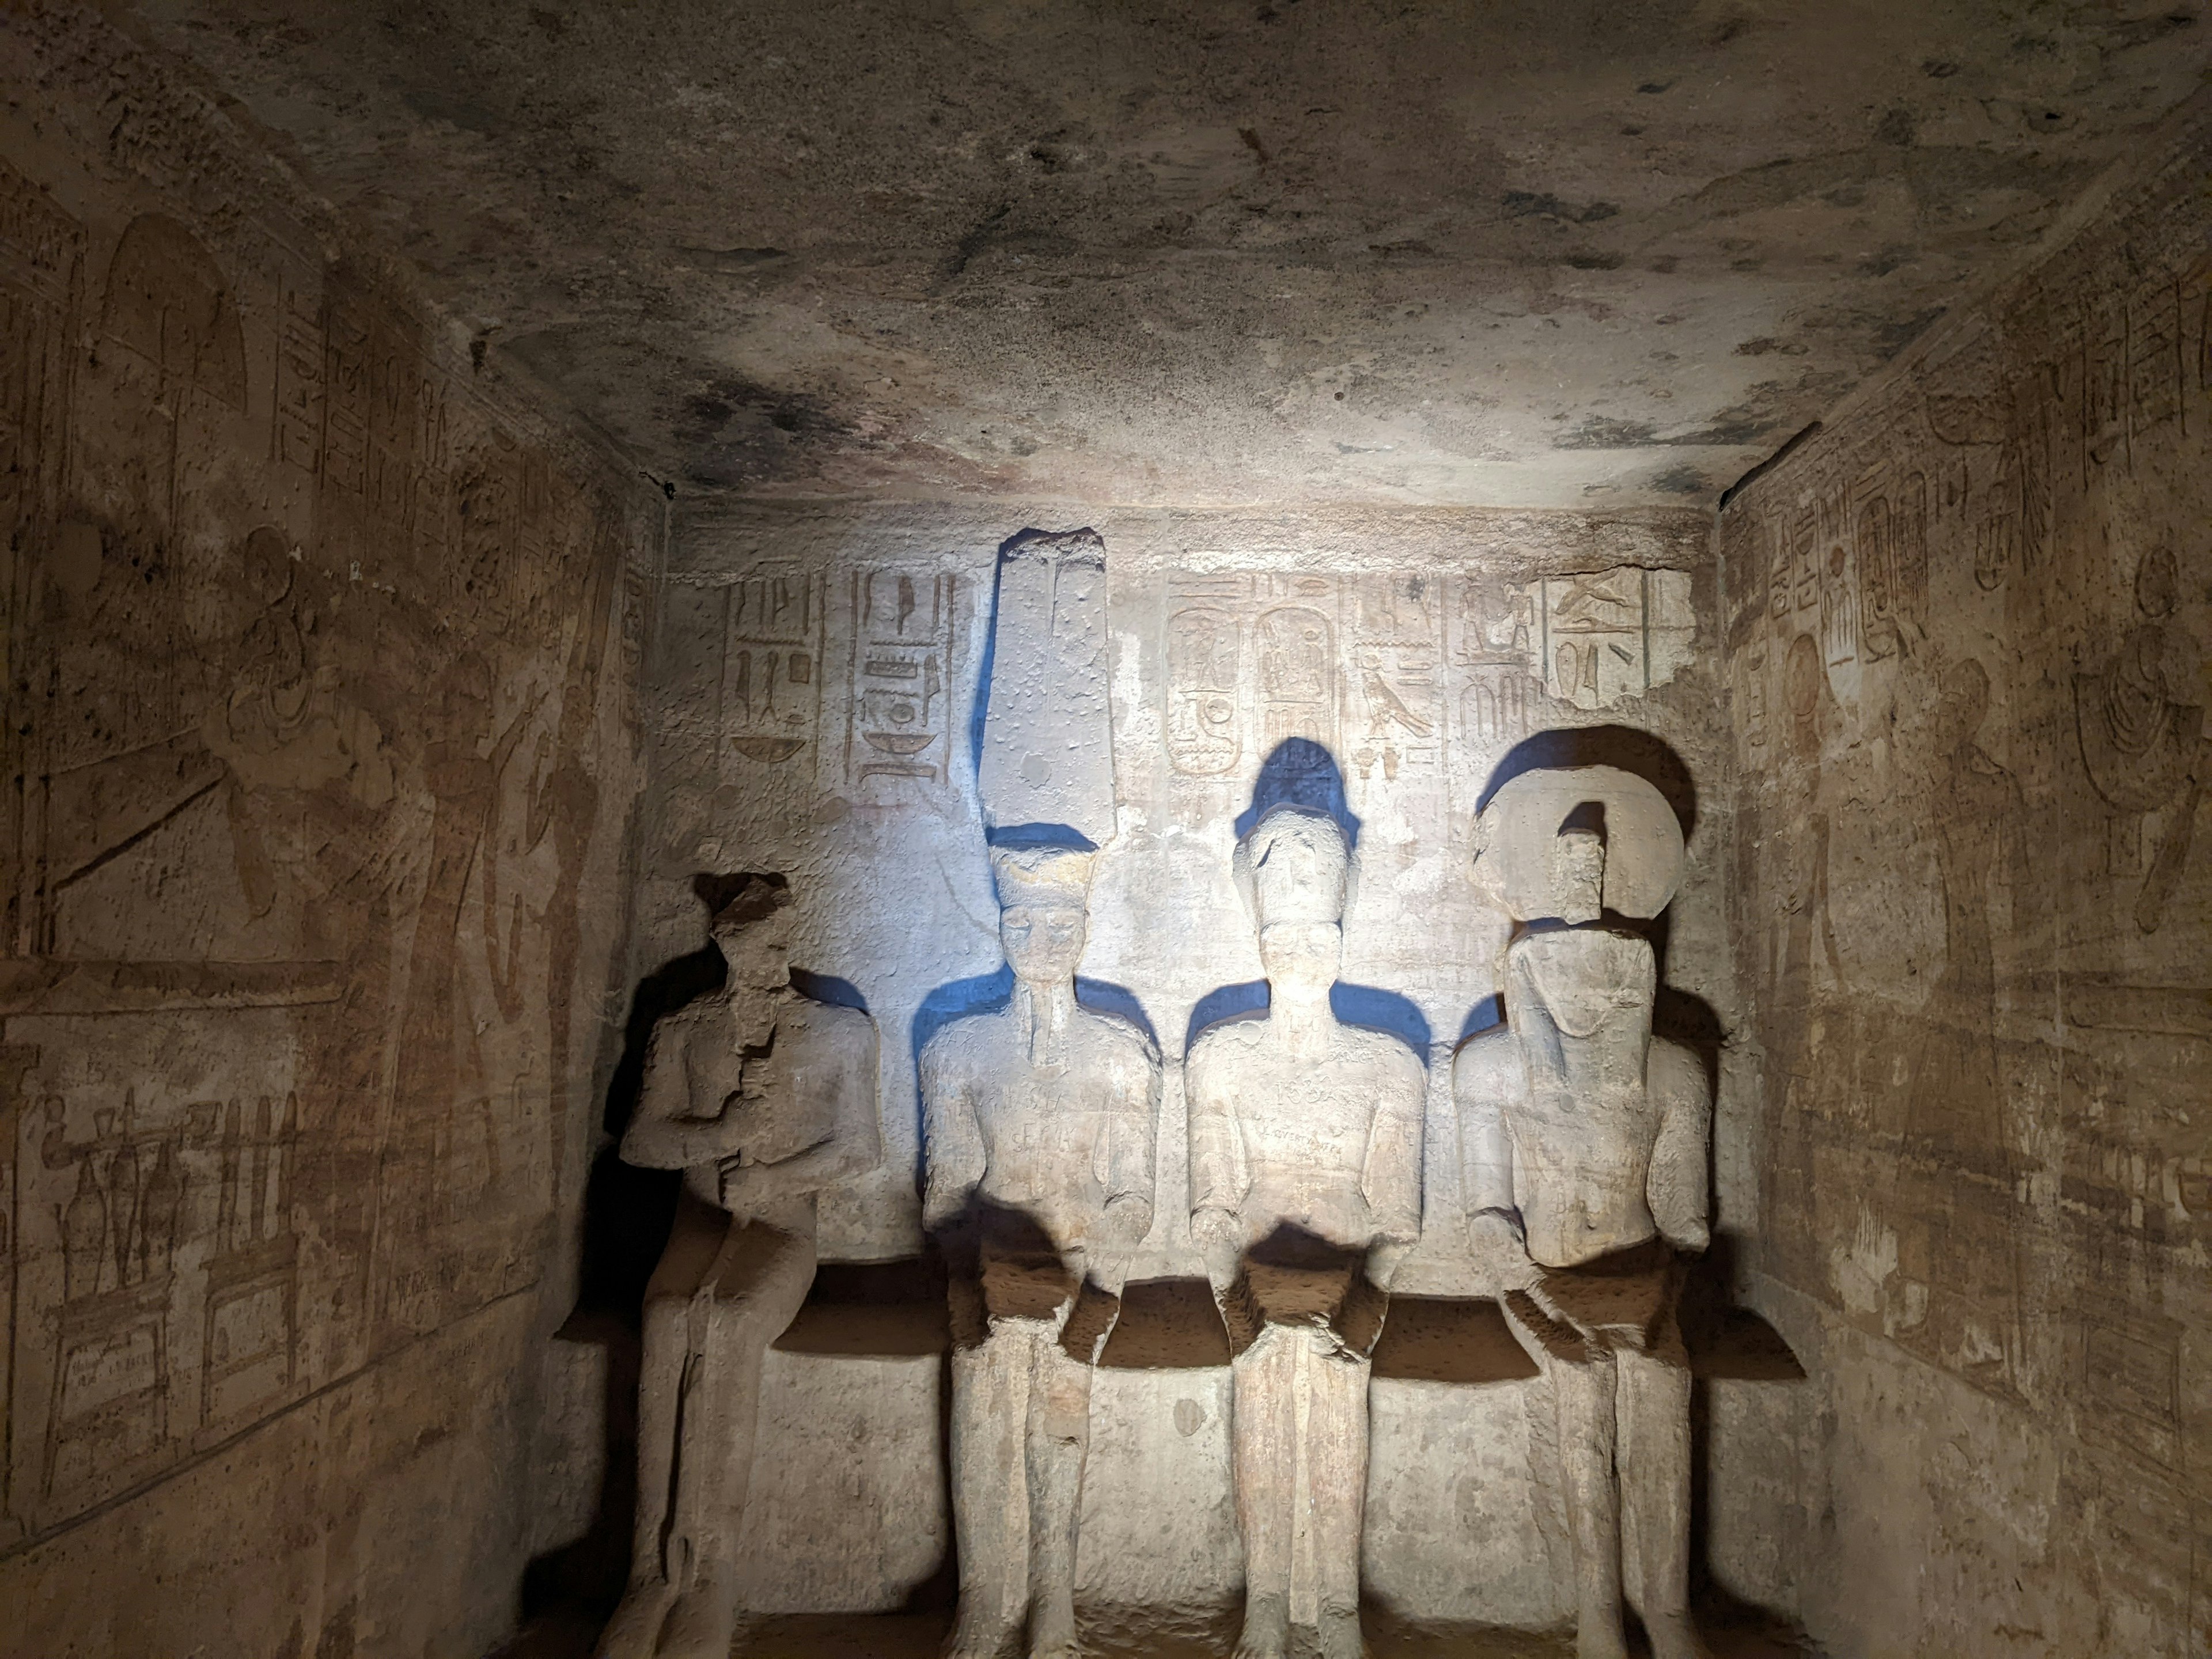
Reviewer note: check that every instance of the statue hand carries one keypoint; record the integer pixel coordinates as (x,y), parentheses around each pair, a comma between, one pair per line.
(1497,1239)
(1220,1241)
(1126,1219)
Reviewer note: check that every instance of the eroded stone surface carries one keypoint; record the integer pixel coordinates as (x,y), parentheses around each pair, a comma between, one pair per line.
(1586,1141)
(762,1097)
(1967,633)
(320,650)
(1203,253)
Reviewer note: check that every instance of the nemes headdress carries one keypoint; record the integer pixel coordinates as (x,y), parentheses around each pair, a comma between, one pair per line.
(1293,866)
(1056,878)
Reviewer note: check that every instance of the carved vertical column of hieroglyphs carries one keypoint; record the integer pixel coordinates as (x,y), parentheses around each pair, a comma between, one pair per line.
(1251,664)
(898,712)
(771,692)
(1395,701)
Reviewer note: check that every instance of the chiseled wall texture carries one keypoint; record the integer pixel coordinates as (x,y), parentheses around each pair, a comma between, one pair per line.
(1967,629)
(318,752)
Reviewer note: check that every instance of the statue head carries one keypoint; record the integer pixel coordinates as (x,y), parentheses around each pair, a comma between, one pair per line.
(1292,869)
(1577,873)
(752,930)
(1044,897)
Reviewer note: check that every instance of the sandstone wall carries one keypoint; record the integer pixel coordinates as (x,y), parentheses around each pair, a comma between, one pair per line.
(1966,626)
(319,648)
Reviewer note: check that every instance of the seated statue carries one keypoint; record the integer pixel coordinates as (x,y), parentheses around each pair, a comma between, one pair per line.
(1305,1174)
(1584,1139)
(1039,1122)
(763,1097)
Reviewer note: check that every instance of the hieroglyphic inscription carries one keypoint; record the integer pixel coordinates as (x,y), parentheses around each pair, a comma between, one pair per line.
(1204,684)
(1252,663)
(1495,651)
(899,720)
(161,1245)
(1605,636)
(772,664)
(278,724)
(1395,716)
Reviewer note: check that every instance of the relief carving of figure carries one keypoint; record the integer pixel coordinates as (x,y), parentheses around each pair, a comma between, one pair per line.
(763,1097)
(1039,1122)
(1585,1144)
(1305,1161)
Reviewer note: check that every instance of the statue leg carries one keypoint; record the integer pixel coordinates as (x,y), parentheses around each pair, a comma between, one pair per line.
(1264,1441)
(668,1367)
(1059,1439)
(990,1497)
(759,1281)
(1336,1477)
(1654,1492)
(1583,1390)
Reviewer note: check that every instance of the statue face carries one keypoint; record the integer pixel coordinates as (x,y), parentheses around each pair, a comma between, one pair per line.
(1042,943)
(1578,875)
(758,952)
(1301,957)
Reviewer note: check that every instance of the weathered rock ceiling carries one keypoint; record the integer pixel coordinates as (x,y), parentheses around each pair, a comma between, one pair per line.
(1529,253)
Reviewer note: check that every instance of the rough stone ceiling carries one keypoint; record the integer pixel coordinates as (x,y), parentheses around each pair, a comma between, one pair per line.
(1563,253)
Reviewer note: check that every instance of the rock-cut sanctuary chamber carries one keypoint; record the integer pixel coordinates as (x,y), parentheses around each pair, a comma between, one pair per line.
(1069,829)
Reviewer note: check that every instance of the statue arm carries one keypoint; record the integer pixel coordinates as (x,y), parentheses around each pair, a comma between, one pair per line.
(1678,1188)
(1483,1075)
(665,1135)
(1218,1174)
(854,1144)
(954,1161)
(1390,1178)
(1132,1154)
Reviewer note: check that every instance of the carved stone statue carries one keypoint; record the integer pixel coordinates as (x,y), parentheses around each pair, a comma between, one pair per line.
(1585,1144)
(762,1097)
(1039,1122)
(1305,1161)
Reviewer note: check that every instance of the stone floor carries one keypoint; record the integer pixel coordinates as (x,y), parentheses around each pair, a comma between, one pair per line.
(1740,1634)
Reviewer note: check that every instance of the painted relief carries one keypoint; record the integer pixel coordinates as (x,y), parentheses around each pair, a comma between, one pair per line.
(307,666)
(1963,633)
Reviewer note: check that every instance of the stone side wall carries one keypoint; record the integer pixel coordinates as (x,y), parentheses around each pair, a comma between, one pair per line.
(319,648)
(1966,632)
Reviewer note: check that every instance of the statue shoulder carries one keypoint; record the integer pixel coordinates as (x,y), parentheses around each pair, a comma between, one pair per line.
(1117,1035)
(1223,1053)
(1675,1072)
(829,1021)
(1487,1066)
(679,1025)
(1390,1055)
(959,1044)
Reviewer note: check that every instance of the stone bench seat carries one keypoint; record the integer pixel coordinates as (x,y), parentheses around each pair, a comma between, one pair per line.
(897,1309)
